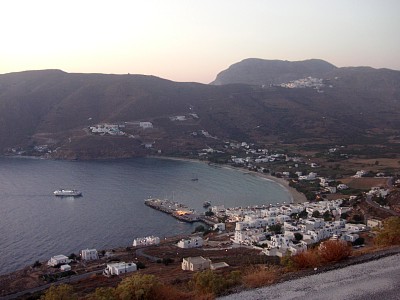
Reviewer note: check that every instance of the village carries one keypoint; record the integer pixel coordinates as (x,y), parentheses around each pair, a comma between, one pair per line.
(329,202)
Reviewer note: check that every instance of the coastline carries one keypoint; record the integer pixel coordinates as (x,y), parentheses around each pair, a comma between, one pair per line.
(296,197)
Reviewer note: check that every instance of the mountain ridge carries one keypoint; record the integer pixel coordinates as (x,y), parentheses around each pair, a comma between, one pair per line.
(56,108)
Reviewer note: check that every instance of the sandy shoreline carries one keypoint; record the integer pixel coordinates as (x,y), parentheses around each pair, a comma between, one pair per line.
(296,196)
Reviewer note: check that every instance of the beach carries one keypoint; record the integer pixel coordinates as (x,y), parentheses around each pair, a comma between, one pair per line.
(296,196)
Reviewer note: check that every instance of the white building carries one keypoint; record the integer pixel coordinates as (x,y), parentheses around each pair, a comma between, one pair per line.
(65,268)
(193,242)
(58,260)
(196,263)
(89,254)
(119,268)
(146,241)
(146,125)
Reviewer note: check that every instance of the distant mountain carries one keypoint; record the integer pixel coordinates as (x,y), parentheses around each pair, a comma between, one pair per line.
(265,72)
(52,111)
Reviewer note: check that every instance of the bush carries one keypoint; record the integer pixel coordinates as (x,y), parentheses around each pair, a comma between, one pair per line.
(207,282)
(36,264)
(260,275)
(359,241)
(390,233)
(306,259)
(334,251)
(328,251)
(59,292)
(138,287)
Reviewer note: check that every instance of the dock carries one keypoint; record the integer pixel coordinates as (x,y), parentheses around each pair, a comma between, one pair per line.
(179,211)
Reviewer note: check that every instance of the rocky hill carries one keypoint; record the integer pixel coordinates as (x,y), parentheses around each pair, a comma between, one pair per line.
(257,71)
(52,110)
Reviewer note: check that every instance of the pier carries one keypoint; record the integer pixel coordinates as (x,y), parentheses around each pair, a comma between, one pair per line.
(179,211)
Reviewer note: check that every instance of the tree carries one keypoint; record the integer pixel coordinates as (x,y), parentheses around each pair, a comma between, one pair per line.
(344,216)
(389,234)
(277,228)
(303,214)
(199,228)
(209,213)
(316,214)
(59,292)
(327,215)
(298,236)
(359,241)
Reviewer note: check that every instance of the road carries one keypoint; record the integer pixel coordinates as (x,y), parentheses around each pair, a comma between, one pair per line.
(374,280)
(46,286)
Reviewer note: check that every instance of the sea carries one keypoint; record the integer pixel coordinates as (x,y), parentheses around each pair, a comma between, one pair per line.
(35,225)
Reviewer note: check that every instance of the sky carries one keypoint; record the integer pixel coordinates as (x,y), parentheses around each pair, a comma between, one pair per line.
(190,40)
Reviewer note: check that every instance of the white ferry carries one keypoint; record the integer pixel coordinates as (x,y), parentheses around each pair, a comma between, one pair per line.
(66,193)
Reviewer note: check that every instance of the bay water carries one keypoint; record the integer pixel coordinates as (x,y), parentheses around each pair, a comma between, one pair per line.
(35,225)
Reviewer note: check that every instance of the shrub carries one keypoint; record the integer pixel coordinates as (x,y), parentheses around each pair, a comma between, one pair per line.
(103,293)
(138,287)
(359,241)
(36,264)
(208,282)
(140,265)
(306,259)
(59,292)
(333,251)
(260,275)
(390,233)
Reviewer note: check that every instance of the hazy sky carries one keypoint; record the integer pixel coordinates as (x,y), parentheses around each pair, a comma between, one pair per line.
(191,40)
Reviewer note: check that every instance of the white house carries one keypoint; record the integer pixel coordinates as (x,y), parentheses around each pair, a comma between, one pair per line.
(145,241)
(89,254)
(119,268)
(196,263)
(58,260)
(65,268)
(146,125)
(193,242)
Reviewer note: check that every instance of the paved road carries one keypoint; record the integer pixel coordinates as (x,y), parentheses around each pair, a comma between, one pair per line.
(374,280)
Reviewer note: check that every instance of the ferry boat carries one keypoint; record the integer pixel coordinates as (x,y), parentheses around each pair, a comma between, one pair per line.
(66,193)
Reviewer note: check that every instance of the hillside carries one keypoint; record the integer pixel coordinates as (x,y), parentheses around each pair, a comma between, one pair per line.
(53,109)
(257,71)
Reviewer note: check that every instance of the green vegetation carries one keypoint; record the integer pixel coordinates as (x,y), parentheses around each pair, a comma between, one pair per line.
(276,229)
(390,233)
(59,292)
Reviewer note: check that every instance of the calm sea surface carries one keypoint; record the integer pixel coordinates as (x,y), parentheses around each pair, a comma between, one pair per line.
(35,225)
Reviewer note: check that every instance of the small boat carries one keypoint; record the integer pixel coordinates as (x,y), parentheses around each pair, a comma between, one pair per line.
(206,204)
(67,193)
(194,177)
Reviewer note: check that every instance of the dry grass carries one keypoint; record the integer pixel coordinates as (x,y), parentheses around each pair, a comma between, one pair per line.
(364,183)
(258,276)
